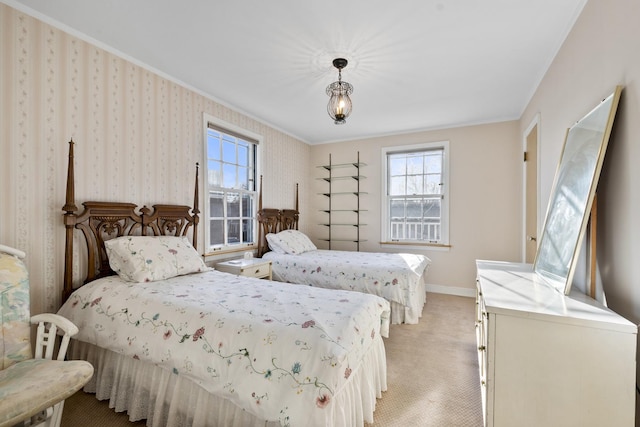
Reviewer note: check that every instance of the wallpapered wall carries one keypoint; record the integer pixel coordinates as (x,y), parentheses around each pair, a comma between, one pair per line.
(138,136)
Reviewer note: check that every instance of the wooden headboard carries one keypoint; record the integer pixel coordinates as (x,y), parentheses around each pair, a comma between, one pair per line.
(100,221)
(274,220)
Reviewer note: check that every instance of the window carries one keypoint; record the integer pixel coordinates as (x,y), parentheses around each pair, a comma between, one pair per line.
(231,159)
(416,203)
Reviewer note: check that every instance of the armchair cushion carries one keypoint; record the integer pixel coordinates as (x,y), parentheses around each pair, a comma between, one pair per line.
(15,326)
(31,386)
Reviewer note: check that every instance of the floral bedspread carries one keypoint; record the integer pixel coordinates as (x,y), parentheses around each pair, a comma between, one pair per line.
(277,350)
(395,277)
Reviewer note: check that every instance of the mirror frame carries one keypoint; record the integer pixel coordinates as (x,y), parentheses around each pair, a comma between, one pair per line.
(573,193)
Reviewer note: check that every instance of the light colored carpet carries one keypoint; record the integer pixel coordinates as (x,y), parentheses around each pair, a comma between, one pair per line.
(432,375)
(432,368)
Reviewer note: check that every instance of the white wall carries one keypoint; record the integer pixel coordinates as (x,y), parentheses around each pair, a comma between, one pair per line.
(485,206)
(601,51)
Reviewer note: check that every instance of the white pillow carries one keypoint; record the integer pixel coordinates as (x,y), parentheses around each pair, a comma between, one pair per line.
(151,258)
(291,242)
(274,243)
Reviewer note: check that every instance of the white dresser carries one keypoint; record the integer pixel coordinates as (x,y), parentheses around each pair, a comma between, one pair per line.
(547,359)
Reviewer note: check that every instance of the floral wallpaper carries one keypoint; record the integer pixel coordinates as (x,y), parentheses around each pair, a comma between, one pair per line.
(138,136)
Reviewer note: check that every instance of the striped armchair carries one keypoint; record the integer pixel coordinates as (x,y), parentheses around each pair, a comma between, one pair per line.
(32,389)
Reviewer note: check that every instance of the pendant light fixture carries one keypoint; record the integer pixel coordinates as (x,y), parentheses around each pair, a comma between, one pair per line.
(339,106)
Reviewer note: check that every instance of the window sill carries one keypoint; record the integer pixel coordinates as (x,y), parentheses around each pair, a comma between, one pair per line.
(217,253)
(417,245)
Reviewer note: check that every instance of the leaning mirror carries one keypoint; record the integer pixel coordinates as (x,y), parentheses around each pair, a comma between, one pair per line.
(572,194)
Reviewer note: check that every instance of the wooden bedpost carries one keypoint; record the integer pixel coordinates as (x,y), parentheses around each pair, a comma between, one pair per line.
(296,212)
(259,215)
(69,222)
(196,210)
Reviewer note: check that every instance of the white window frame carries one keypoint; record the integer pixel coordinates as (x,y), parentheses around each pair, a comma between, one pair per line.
(231,128)
(446,196)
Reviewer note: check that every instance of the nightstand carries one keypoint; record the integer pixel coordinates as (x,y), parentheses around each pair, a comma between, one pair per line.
(253,267)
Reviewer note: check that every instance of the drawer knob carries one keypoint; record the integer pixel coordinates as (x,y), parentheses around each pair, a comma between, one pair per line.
(481,348)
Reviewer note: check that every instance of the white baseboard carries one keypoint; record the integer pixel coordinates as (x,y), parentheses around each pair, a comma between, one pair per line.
(451,290)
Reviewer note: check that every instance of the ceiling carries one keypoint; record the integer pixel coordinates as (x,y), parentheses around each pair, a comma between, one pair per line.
(414,64)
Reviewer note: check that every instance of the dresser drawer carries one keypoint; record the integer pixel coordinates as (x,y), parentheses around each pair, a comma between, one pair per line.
(257,270)
(550,359)
(253,267)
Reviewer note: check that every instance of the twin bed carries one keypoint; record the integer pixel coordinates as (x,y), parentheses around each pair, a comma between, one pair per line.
(398,278)
(177,343)
(212,348)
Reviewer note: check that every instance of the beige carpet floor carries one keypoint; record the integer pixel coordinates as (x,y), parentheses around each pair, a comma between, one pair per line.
(432,375)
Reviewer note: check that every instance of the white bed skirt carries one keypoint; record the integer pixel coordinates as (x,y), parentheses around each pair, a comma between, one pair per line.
(150,392)
(412,313)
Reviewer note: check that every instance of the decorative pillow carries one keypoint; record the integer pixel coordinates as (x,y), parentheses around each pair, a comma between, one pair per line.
(290,242)
(151,258)
(274,243)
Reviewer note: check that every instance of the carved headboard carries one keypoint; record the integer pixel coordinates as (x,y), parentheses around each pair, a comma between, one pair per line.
(100,221)
(274,220)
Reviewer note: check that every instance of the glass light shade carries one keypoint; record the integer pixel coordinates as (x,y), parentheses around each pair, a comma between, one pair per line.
(339,106)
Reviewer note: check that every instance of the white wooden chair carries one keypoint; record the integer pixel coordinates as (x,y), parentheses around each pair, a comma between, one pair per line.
(32,388)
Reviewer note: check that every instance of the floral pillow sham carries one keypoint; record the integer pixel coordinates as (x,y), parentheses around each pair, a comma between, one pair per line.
(290,242)
(152,258)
